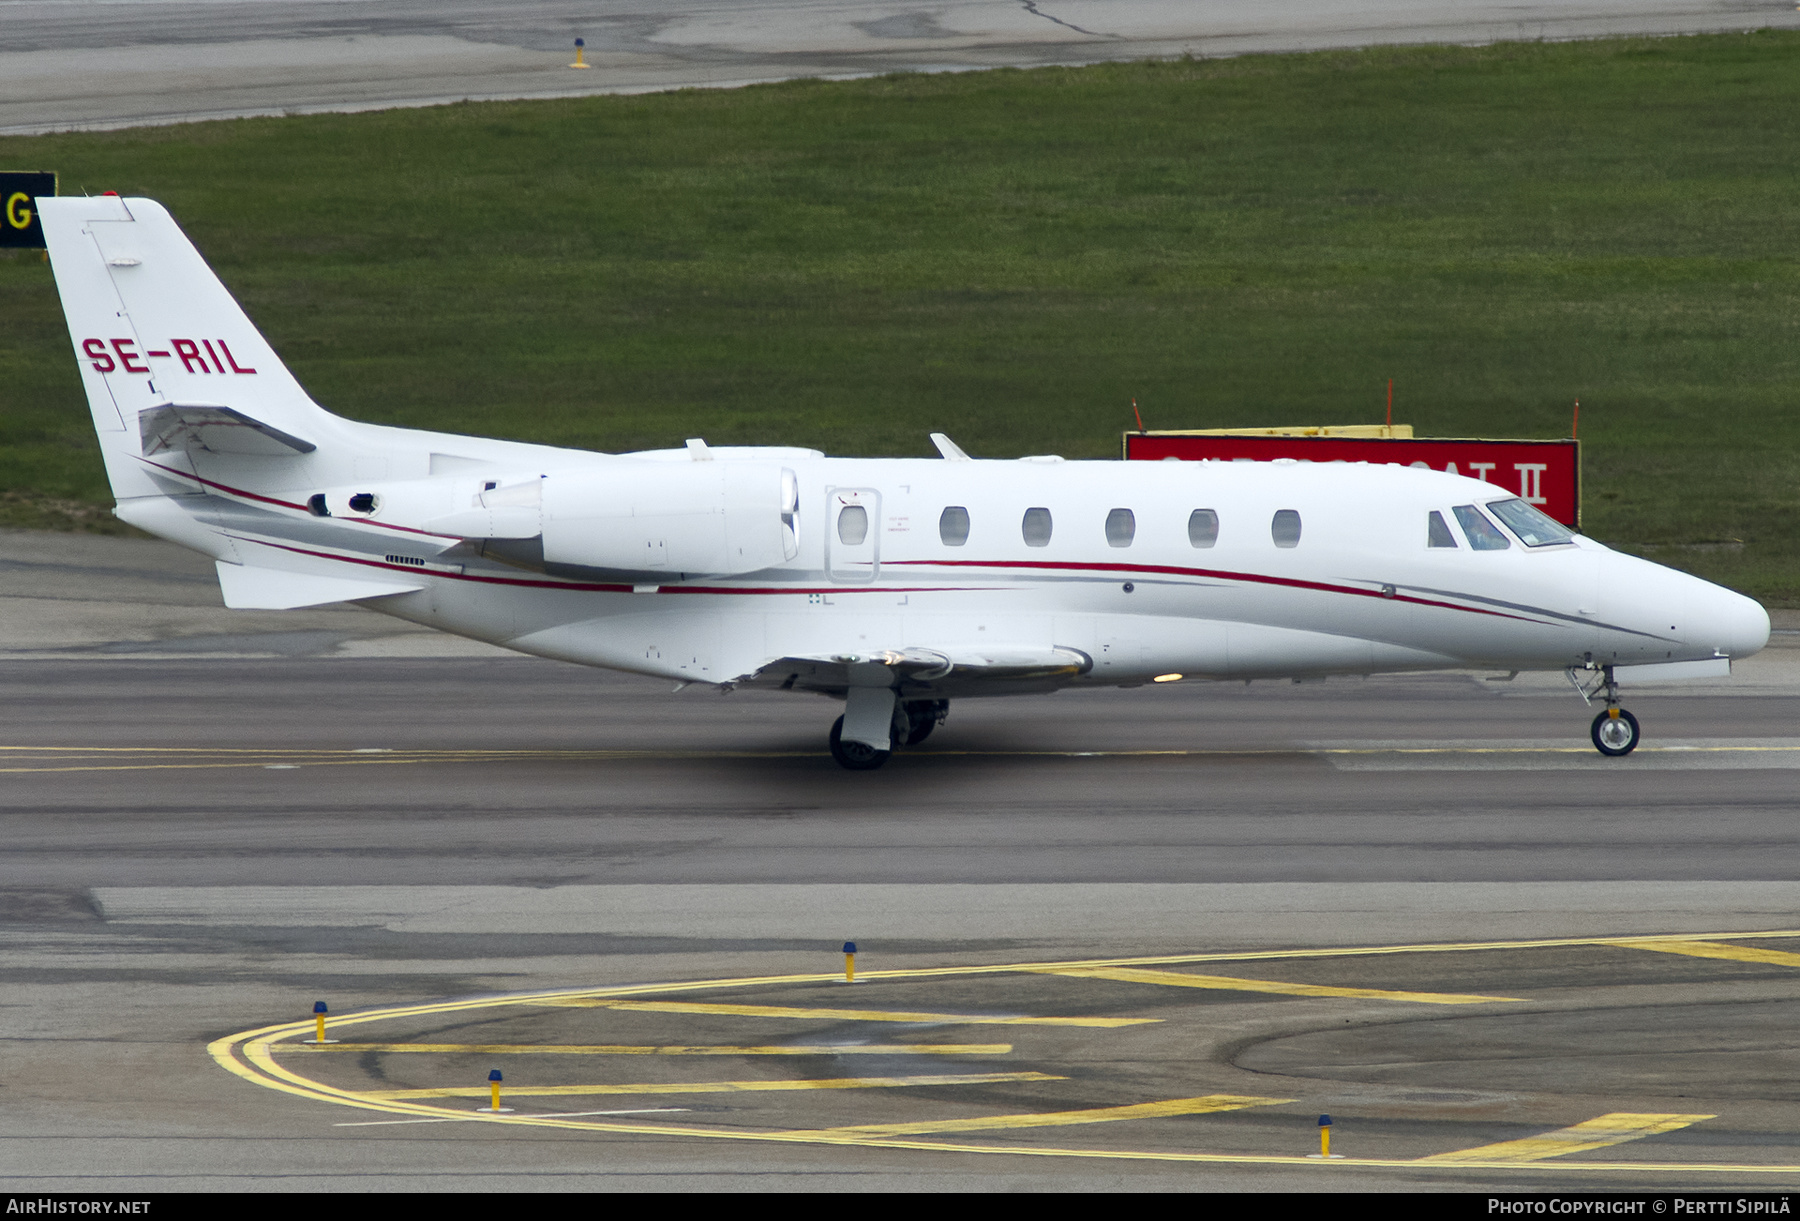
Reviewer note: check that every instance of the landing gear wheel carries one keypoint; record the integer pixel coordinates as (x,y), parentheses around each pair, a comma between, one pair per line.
(923,716)
(856,756)
(1615,732)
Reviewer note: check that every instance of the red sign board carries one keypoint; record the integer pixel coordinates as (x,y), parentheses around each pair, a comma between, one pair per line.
(1543,473)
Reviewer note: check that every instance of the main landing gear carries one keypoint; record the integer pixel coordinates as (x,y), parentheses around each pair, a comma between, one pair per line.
(855,756)
(1615,731)
(910,723)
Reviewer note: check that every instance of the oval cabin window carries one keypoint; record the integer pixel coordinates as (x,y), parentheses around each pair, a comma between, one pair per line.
(953,526)
(1036,527)
(853,525)
(1285,528)
(1203,528)
(1121,528)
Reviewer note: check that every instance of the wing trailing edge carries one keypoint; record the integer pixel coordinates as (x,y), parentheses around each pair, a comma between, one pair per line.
(963,668)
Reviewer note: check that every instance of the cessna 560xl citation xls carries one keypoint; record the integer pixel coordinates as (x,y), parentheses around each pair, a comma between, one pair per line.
(894,585)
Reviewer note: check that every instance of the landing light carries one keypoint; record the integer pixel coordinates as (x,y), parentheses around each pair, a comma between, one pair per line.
(1166,678)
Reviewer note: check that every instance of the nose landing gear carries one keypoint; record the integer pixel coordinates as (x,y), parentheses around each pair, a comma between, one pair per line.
(1615,731)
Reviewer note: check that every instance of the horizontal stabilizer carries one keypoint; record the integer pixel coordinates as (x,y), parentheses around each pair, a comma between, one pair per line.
(247,588)
(218,430)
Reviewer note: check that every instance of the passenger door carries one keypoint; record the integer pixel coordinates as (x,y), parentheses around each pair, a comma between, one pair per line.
(852,535)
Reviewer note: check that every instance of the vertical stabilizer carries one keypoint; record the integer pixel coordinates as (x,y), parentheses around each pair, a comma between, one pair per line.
(153,326)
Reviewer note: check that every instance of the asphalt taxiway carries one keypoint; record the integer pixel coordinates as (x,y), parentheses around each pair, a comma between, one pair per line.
(121,63)
(1114,939)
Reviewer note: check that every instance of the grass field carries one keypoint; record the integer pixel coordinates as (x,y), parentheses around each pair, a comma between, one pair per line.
(1012,256)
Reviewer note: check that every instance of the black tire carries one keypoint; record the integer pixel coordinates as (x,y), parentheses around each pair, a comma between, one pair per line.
(922,717)
(855,756)
(1615,736)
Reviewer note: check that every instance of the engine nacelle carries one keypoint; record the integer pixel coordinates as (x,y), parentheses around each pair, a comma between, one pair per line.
(716,518)
(706,517)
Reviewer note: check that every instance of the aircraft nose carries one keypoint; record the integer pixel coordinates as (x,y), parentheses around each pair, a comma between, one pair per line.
(1731,623)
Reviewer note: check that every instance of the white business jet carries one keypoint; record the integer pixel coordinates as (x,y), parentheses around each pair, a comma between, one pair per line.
(895,585)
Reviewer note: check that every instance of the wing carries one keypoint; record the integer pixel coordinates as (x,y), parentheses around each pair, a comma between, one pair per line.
(918,672)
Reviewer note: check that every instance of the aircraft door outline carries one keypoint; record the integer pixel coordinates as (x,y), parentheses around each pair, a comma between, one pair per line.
(852,538)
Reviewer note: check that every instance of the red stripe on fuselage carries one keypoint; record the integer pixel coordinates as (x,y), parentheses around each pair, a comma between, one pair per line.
(1256,578)
(602,587)
(288,504)
(1054,565)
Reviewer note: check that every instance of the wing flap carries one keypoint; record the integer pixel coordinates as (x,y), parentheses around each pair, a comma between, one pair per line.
(959,667)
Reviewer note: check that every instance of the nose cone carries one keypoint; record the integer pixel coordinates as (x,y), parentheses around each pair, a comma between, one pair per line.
(1656,602)
(1729,622)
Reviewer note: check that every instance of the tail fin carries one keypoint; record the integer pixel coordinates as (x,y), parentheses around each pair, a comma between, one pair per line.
(167,357)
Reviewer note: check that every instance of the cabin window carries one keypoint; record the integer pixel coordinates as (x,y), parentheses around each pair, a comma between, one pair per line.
(953,526)
(1534,527)
(1285,528)
(1203,528)
(1036,527)
(1121,528)
(1438,532)
(1483,534)
(853,525)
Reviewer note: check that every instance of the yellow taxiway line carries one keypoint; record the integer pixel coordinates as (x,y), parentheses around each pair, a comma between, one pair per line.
(1713,949)
(250,1055)
(845,1015)
(717,1087)
(249,757)
(430,1008)
(1055,1119)
(651,1049)
(1613,1129)
(1181,979)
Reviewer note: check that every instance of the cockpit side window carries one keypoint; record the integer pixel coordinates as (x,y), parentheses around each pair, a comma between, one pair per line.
(1483,534)
(1534,527)
(1437,532)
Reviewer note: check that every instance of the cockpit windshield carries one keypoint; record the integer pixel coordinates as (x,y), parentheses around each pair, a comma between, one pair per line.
(1534,527)
(1483,534)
